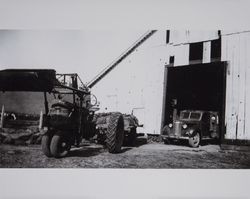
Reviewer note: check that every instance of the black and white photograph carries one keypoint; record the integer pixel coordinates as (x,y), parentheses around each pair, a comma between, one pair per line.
(170,99)
(124,100)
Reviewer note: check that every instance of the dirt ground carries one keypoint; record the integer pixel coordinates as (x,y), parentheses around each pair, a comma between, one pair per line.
(150,155)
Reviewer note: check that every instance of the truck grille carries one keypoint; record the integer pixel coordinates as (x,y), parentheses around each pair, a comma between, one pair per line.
(177,128)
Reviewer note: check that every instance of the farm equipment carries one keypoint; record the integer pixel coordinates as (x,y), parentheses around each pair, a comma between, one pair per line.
(102,121)
(70,117)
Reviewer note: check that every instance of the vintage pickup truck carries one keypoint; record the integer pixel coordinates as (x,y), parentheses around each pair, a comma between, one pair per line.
(193,125)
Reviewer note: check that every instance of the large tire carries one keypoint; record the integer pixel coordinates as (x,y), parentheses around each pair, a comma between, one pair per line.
(46,140)
(115,133)
(194,140)
(59,146)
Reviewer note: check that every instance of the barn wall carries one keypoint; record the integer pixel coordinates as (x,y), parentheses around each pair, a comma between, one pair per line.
(178,37)
(180,41)
(137,84)
(235,50)
(181,54)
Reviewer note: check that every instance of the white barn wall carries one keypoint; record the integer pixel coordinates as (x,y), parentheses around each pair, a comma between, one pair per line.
(137,84)
(181,54)
(180,41)
(178,37)
(235,50)
(206,52)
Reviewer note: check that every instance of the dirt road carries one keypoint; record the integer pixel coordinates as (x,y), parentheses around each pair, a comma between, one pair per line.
(152,155)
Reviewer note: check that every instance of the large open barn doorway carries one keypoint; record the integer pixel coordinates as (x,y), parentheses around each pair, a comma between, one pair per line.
(195,87)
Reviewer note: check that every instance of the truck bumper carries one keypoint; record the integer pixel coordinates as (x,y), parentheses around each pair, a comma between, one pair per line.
(174,137)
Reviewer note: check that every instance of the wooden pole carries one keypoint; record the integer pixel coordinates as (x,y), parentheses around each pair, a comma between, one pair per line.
(2,118)
(46,103)
(41,120)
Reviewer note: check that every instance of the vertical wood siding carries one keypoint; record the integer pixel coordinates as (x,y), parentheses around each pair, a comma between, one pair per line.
(247,90)
(235,50)
(206,52)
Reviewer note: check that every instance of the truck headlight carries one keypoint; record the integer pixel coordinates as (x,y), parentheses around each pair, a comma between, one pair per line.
(213,118)
(170,125)
(184,126)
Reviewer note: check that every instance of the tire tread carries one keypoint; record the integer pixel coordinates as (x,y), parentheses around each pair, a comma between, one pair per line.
(115,133)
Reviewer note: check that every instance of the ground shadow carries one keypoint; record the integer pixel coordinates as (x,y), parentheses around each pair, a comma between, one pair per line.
(185,142)
(92,149)
(210,142)
(85,151)
(88,150)
(124,149)
(140,141)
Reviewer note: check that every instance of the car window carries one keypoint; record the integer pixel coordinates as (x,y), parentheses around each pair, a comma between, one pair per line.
(195,116)
(185,115)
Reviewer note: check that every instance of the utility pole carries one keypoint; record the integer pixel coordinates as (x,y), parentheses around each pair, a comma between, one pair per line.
(2,118)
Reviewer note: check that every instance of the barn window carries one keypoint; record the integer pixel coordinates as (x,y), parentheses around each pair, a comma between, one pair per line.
(196,52)
(167,36)
(216,49)
(171,60)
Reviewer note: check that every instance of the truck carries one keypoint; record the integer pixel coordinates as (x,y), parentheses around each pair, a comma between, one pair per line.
(194,126)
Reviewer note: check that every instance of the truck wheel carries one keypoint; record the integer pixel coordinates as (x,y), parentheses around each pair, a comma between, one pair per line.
(115,133)
(194,140)
(59,146)
(46,140)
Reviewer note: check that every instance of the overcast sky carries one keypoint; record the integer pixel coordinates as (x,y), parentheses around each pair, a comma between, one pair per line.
(85,52)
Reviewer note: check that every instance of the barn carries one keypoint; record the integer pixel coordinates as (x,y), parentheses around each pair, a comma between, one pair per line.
(205,70)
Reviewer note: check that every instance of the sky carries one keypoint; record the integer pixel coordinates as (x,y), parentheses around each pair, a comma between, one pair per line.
(85,52)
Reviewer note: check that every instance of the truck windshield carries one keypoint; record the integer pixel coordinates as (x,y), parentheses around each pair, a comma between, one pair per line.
(195,116)
(185,115)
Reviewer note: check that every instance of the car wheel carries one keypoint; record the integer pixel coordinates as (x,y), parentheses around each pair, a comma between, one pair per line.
(194,140)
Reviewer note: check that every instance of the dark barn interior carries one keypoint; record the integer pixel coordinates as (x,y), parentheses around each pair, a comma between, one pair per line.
(195,87)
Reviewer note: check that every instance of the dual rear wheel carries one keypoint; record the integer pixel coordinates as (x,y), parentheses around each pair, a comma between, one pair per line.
(58,145)
(55,146)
